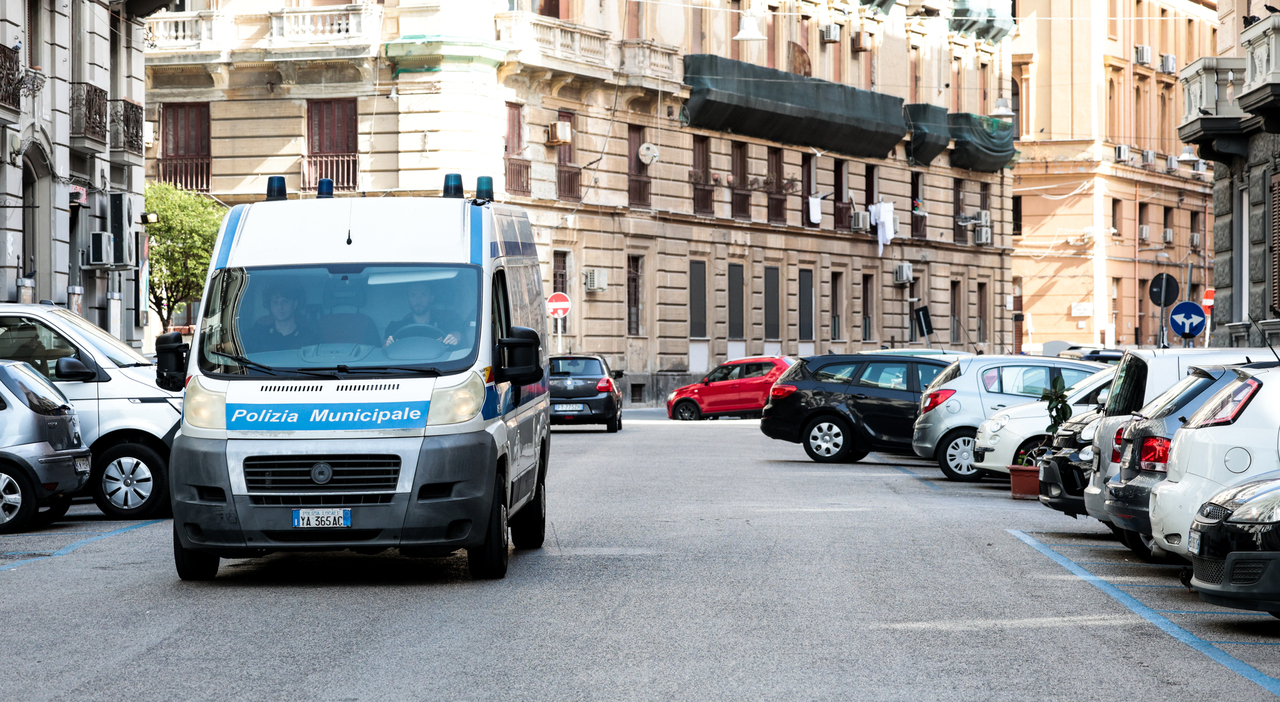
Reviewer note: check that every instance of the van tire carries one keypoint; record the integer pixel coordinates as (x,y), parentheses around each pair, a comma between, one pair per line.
(951,448)
(614,424)
(56,510)
(193,565)
(529,526)
(17,500)
(488,561)
(128,460)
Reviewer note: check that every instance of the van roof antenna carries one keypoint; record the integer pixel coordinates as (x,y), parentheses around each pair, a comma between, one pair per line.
(1265,340)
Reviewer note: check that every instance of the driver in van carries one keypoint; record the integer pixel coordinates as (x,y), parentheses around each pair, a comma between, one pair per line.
(280,330)
(421,312)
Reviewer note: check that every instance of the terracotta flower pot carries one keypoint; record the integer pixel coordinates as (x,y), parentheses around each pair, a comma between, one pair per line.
(1024,482)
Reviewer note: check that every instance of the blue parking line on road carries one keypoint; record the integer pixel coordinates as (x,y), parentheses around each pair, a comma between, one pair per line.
(41,533)
(83,542)
(1221,657)
(1248,643)
(1140,565)
(1087,545)
(919,477)
(1175,587)
(1205,611)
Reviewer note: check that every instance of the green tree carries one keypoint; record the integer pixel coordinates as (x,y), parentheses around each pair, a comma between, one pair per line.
(181,245)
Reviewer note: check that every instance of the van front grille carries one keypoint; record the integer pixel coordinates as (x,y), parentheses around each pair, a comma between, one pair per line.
(350,473)
(381,498)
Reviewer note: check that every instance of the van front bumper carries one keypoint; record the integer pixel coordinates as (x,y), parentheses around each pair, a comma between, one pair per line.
(447,508)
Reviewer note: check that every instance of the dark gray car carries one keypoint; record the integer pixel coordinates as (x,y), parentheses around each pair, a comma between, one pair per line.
(42,459)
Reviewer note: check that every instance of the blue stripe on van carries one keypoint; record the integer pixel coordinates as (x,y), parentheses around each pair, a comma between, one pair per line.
(228,236)
(477,235)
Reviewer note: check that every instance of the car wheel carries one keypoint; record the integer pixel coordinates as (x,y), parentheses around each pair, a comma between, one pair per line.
(193,565)
(855,455)
(1138,543)
(613,425)
(1034,449)
(955,456)
(529,526)
(130,481)
(828,439)
(688,411)
(488,561)
(17,500)
(57,509)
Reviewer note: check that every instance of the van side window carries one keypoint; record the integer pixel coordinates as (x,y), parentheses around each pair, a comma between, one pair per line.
(501,307)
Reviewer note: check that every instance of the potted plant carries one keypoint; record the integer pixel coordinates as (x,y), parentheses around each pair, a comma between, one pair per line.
(1024,474)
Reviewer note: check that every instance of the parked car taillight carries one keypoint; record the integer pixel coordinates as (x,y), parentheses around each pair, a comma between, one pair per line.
(935,398)
(1154,454)
(778,392)
(605,385)
(1115,448)
(1226,406)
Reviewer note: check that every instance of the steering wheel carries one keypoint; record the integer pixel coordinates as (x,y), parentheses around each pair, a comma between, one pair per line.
(428,330)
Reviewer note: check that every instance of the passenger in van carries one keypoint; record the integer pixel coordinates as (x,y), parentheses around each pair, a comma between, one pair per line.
(281,329)
(422,312)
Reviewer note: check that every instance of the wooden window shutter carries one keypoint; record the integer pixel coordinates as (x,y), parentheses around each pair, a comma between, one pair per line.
(1275,247)
(331,126)
(186,130)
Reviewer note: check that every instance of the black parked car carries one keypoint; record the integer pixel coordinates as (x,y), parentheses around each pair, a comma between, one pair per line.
(1064,471)
(1144,452)
(843,407)
(1234,544)
(583,392)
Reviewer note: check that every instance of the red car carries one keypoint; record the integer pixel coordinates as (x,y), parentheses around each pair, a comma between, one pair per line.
(735,388)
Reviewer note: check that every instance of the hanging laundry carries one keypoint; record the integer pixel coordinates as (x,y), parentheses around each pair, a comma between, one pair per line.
(815,209)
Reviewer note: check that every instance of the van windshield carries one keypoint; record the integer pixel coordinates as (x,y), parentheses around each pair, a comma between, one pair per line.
(1129,388)
(341,319)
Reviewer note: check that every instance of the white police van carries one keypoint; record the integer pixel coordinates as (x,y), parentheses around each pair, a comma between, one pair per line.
(367,373)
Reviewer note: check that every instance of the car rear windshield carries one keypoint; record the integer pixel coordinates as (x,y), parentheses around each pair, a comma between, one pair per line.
(795,372)
(34,390)
(951,373)
(1178,396)
(576,366)
(1129,387)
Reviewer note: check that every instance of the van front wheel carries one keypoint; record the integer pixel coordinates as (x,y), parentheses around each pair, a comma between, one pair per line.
(488,561)
(193,565)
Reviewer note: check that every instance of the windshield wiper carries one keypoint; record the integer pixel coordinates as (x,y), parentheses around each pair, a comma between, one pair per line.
(246,362)
(424,370)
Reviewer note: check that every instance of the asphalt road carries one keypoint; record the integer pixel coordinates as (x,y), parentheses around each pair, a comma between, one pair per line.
(686,561)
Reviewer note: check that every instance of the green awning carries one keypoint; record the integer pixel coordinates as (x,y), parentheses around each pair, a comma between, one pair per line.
(930,132)
(982,143)
(742,98)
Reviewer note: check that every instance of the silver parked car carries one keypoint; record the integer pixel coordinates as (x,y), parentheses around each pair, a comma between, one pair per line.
(973,389)
(42,459)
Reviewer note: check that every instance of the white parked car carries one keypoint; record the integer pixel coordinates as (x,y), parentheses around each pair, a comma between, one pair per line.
(1143,375)
(1021,429)
(1230,440)
(125,418)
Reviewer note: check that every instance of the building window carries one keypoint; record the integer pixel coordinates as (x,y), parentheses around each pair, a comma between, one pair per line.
(517,165)
(843,208)
(807,180)
(957,311)
(638,172)
(982,313)
(1168,220)
(919,223)
(733,15)
(806,304)
(634,19)
(736,327)
(777,196)
(957,74)
(568,175)
(184,148)
(634,264)
(703,191)
(870,186)
(331,144)
(697,299)
(1015,103)
(560,284)
(1016,215)
(34,39)
(984,196)
(549,8)
(960,230)
(868,304)
(772,315)
(741,203)
(837,295)
(913,299)
(1115,308)
(913,74)
(1115,218)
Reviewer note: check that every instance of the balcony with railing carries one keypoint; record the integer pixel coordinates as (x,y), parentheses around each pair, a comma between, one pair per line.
(340,24)
(342,169)
(644,60)
(11,75)
(180,31)
(1260,93)
(88,117)
(518,177)
(544,42)
(126,132)
(1210,86)
(186,172)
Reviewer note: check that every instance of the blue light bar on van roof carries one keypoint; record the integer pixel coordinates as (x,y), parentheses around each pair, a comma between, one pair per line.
(452,185)
(484,188)
(324,189)
(275,189)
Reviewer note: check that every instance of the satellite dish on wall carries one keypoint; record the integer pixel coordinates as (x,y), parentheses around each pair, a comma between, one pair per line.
(648,153)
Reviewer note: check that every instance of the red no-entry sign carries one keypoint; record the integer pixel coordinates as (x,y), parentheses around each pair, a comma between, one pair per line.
(558,305)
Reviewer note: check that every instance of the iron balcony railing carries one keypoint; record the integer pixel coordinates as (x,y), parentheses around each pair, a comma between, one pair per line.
(343,169)
(569,183)
(126,126)
(518,176)
(88,111)
(11,75)
(186,172)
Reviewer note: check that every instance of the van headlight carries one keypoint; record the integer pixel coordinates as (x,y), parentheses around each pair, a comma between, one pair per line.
(204,408)
(458,403)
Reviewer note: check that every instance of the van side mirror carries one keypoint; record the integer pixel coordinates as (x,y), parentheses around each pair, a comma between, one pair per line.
(69,368)
(518,356)
(171,362)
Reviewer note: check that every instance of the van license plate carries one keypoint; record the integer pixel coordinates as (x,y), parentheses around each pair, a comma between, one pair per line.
(82,465)
(569,408)
(1193,542)
(321,518)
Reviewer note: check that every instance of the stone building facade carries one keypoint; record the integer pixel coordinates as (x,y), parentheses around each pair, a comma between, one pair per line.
(1105,198)
(667,168)
(71,96)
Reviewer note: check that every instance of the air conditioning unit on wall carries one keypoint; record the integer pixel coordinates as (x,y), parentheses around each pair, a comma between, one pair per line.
(123,232)
(1167,236)
(1142,55)
(1144,232)
(595,279)
(860,221)
(1168,63)
(983,219)
(1148,157)
(1122,153)
(1195,241)
(903,274)
(559,133)
(982,236)
(859,41)
(831,33)
(101,250)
